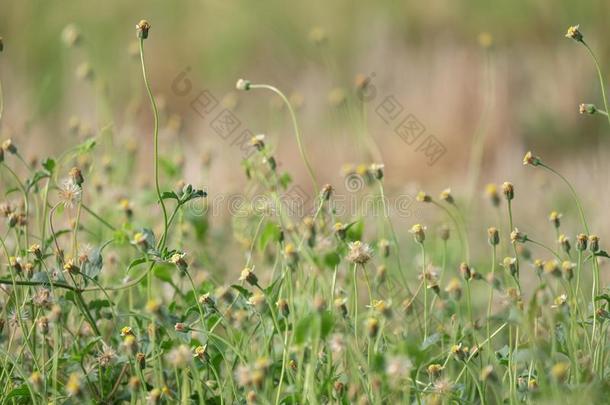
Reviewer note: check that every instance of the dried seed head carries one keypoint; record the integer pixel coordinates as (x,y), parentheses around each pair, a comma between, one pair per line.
(459,352)
(423,197)
(142,29)
(447,196)
(587,109)
(493,236)
(581,242)
(243,85)
(555,218)
(359,253)
(530,159)
(419,233)
(509,190)
(574,33)
(181,327)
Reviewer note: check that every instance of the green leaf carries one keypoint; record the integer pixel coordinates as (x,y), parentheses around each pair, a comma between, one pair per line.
(49,165)
(169,195)
(271,232)
(163,273)
(135,263)
(355,230)
(21,391)
(247,294)
(326,325)
(332,259)
(301,331)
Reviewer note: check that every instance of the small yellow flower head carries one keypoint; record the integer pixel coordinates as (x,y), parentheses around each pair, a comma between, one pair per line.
(376,170)
(9,146)
(359,253)
(317,35)
(434,370)
(454,289)
(486,40)
(551,267)
(340,230)
(71,36)
(247,274)
(493,236)
(539,266)
(419,233)
(372,327)
(178,260)
(587,109)
(593,243)
(73,385)
(574,33)
(581,242)
(127,331)
(153,306)
(530,159)
(243,85)
(423,197)
(142,29)
(560,371)
(509,190)
(384,247)
(341,305)
(564,242)
(568,269)
(517,236)
(382,307)
(258,141)
(510,264)
(555,218)
(200,352)
(459,352)
(282,305)
(488,374)
(154,396)
(447,196)
(77,176)
(491,191)
(36,380)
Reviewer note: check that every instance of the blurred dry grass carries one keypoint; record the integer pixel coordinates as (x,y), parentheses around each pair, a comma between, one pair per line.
(425,54)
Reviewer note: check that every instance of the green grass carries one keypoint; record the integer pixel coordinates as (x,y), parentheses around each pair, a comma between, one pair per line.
(107,301)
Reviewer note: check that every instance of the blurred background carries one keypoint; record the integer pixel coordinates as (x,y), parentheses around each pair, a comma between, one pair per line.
(488,80)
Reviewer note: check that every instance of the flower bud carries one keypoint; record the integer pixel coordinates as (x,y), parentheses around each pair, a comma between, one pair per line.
(593,243)
(574,33)
(419,233)
(530,159)
(509,190)
(587,109)
(581,242)
(554,218)
(243,85)
(142,29)
(493,236)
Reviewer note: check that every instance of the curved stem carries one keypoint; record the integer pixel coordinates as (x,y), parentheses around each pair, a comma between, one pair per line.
(155,137)
(600,76)
(296,130)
